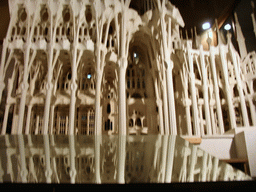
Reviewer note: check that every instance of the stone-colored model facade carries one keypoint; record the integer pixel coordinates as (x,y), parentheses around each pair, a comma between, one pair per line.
(98,67)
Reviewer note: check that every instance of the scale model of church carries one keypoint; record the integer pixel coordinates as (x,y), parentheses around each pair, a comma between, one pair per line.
(95,67)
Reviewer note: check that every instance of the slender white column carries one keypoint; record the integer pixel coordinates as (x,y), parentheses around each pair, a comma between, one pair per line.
(6,113)
(193,159)
(160,112)
(214,126)
(52,119)
(49,88)
(2,84)
(48,171)
(252,110)
(160,108)
(28,119)
(121,159)
(239,84)
(215,169)
(201,119)
(186,100)
(66,128)
(9,170)
(24,87)
(188,117)
(97,144)
(72,152)
(204,167)
(170,158)
(23,167)
(98,117)
(193,93)
(88,123)
(216,89)
(72,108)
(73,93)
(122,124)
(122,98)
(165,105)
(171,102)
(37,124)
(224,66)
(205,92)
(162,171)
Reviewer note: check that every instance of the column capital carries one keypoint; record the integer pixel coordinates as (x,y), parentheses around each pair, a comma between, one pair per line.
(24,86)
(73,86)
(49,86)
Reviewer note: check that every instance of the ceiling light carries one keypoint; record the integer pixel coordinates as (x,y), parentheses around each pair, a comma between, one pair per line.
(227,27)
(206,26)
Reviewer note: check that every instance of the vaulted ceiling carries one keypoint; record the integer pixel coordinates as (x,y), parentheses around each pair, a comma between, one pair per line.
(194,12)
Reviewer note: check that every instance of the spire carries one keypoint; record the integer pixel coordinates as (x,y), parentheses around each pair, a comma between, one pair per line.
(196,37)
(240,38)
(218,32)
(253,18)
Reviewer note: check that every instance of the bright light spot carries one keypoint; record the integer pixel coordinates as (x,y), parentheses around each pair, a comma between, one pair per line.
(89,76)
(135,55)
(227,27)
(206,26)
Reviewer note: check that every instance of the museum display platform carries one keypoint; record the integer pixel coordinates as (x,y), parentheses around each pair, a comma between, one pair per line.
(77,159)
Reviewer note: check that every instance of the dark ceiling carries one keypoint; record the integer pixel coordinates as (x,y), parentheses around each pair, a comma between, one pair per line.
(194,12)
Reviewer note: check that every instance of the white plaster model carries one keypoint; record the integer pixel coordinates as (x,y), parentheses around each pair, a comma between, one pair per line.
(98,67)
